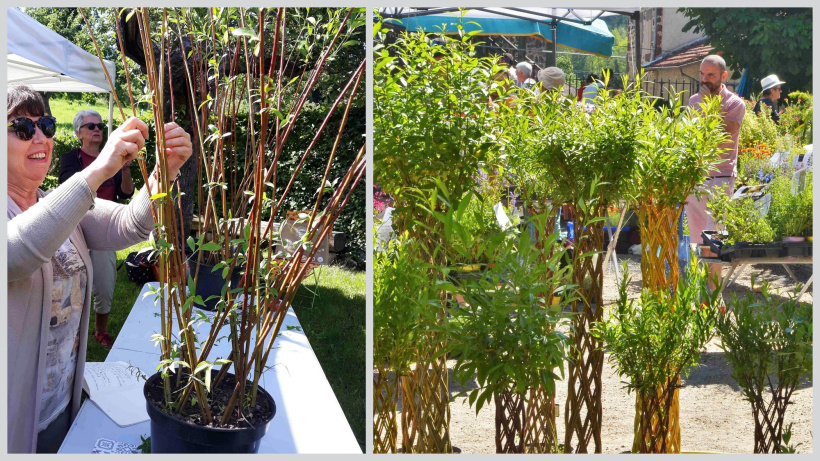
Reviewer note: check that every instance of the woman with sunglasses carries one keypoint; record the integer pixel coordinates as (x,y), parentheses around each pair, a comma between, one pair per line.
(49,267)
(88,128)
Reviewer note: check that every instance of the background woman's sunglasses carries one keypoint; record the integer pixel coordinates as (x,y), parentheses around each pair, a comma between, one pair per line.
(90,126)
(25,127)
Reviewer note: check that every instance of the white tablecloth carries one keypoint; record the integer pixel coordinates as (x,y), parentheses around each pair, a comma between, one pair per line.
(308,417)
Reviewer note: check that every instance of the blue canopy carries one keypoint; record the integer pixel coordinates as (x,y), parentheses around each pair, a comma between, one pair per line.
(592,39)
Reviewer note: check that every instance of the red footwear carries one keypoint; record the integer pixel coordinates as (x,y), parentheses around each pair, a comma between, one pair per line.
(104,339)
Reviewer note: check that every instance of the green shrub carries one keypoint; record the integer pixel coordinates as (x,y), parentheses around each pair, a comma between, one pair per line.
(790,213)
(757,129)
(431,116)
(768,343)
(655,339)
(740,218)
(797,117)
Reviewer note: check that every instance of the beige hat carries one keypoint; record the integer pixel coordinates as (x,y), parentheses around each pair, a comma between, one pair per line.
(551,77)
(770,82)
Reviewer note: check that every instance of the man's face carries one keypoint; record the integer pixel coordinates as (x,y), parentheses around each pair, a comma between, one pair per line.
(776,93)
(711,77)
(521,75)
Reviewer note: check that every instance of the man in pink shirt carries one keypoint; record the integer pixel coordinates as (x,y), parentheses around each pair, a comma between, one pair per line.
(712,75)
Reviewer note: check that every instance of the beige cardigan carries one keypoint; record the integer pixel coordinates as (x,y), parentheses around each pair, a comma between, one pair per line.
(70,211)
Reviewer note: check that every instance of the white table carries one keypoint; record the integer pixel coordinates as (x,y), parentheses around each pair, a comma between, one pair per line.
(308,417)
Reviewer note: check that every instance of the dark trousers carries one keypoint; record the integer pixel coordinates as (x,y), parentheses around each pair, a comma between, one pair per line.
(50,439)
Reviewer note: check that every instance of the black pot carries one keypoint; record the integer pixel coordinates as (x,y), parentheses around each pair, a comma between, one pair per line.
(172,435)
(210,283)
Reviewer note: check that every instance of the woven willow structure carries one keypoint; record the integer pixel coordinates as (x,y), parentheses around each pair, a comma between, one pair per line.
(539,426)
(425,415)
(385,398)
(660,271)
(583,414)
(510,422)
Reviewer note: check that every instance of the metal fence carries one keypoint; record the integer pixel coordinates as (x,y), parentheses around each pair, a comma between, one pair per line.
(662,88)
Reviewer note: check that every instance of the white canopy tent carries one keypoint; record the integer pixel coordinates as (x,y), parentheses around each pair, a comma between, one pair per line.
(45,61)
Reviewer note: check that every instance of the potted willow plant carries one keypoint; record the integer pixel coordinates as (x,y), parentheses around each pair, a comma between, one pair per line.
(768,342)
(506,334)
(194,402)
(654,340)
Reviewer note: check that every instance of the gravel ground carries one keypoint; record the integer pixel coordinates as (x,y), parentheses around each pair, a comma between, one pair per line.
(714,417)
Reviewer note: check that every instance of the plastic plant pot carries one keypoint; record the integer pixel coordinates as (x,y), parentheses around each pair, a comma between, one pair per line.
(169,434)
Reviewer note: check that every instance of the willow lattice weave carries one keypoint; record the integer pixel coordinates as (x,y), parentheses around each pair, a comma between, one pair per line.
(660,271)
(582,415)
(539,427)
(426,401)
(385,397)
(509,422)
(769,422)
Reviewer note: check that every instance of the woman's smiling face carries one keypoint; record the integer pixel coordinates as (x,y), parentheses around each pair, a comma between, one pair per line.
(28,161)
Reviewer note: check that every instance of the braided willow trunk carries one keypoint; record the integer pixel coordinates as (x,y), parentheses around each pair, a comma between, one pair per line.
(583,414)
(509,422)
(659,229)
(426,401)
(656,421)
(385,397)
(539,427)
(660,271)
(769,418)
(425,397)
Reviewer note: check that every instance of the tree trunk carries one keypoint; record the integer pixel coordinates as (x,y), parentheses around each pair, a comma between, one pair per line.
(46,97)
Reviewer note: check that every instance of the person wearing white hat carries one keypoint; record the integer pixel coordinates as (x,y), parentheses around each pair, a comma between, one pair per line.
(551,78)
(771,94)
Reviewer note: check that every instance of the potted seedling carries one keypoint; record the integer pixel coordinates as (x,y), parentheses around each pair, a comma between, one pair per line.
(768,342)
(248,95)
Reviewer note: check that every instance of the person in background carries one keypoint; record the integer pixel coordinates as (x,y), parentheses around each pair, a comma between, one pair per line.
(552,78)
(523,75)
(770,96)
(732,109)
(88,128)
(591,89)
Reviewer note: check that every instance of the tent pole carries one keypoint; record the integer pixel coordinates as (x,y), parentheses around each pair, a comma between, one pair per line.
(637,18)
(554,56)
(110,111)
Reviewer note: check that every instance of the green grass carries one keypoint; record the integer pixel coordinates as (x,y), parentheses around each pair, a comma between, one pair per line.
(330,305)
(331,308)
(64,111)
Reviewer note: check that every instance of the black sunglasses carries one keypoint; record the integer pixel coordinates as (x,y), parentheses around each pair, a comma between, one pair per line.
(90,126)
(25,127)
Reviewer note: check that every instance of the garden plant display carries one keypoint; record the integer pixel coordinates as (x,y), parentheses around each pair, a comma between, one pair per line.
(505,333)
(768,343)
(247,106)
(654,340)
(588,157)
(432,130)
(401,296)
(677,149)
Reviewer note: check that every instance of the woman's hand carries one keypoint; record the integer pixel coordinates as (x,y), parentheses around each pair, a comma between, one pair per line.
(177,147)
(123,145)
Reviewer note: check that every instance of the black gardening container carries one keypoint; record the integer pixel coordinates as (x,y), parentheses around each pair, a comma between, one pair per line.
(210,282)
(172,435)
(751,250)
(796,249)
